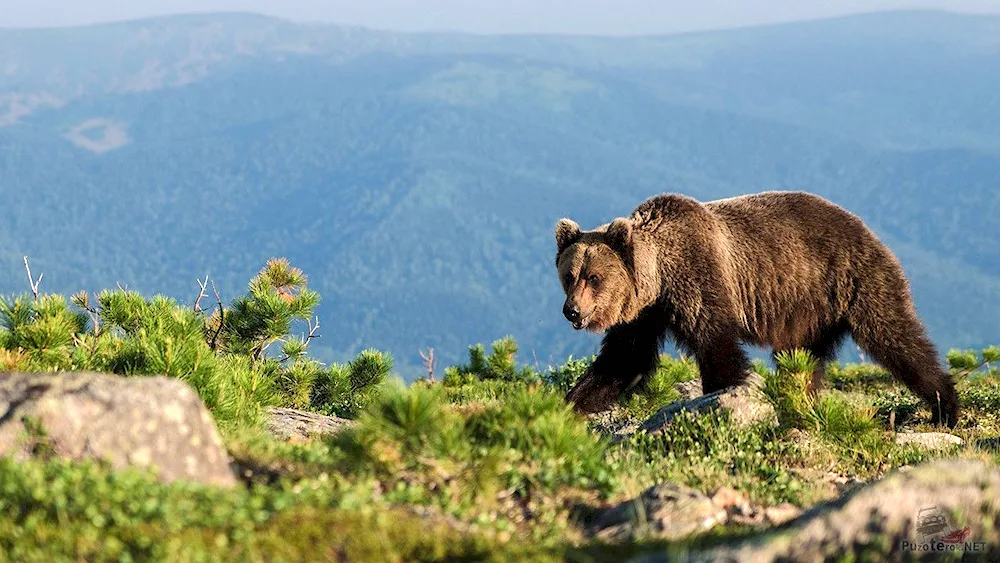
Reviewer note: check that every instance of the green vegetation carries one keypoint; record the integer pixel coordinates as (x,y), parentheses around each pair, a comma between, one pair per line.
(224,355)
(488,462)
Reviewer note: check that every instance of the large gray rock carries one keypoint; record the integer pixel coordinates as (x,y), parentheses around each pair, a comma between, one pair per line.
(745,404)
(949,505)
(298,425)
(149,422)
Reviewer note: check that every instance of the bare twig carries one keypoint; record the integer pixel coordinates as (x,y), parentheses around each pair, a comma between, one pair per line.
(204,287)
(312,331)
(312,334)
(222,317)
(119,284)
(430,362)
(31,281)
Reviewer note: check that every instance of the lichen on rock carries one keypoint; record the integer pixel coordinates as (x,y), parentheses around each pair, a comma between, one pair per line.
(154,422)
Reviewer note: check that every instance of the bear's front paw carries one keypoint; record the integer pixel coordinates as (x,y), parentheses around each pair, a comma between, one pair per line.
(591,394)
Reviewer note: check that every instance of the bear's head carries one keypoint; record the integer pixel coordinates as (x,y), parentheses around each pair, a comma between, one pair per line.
(596,269)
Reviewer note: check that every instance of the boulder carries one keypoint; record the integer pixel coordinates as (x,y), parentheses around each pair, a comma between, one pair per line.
(153,422)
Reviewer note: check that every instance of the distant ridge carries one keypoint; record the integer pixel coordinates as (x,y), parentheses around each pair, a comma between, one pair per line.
(416,177)
(932,16)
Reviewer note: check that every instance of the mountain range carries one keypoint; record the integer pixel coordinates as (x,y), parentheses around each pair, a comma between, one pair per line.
(416,177)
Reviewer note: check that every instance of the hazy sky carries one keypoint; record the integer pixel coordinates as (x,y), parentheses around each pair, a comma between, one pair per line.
(482,16)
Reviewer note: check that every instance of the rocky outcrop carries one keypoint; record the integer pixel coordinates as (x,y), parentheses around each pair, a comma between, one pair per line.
(297,425)
(670,511)
(158,423)
(689,390)
(664,511)
(948,505)
(745,405)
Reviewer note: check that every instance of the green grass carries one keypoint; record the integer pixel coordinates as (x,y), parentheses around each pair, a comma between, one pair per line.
(486,463)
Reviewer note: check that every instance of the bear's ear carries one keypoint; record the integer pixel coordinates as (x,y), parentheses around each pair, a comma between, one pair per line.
(567,232)
(620,234)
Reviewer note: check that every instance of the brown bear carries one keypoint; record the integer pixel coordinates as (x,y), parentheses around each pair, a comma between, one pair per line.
(777,269)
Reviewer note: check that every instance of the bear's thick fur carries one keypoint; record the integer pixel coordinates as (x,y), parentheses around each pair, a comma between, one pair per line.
(777,269)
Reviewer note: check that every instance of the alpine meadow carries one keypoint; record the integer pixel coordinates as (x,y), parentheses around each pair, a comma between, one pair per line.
(341,240)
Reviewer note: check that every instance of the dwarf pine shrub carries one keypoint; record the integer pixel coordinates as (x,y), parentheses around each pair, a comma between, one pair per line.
(229,357)
(500,364)
(967,362)
(983,394)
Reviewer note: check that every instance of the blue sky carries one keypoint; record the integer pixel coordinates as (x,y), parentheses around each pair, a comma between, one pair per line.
(483,16)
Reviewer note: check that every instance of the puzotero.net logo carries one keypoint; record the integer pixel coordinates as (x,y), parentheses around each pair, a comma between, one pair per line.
(935,533)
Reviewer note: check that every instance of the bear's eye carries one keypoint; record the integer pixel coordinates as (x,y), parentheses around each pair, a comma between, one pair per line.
(593,279)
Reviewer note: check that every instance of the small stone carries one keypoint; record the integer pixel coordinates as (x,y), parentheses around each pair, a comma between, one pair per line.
(749,516)
(991,444)
(689,389)
(615,423)
(781,513)
(727,497)
(844,483)
(929,440)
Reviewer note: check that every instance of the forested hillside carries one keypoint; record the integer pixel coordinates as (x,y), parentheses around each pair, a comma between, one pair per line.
(416,178)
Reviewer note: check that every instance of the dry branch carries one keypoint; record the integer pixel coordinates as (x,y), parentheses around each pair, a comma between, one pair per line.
(201,295)
(31,281)
(430,362)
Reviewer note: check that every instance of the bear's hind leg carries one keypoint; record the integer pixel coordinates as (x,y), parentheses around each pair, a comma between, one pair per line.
(895,338)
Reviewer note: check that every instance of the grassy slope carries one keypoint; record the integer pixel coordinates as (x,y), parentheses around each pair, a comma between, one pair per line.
(484,466)
(486,462)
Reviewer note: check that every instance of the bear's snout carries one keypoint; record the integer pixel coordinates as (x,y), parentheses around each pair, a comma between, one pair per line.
(573,315)
(571,312)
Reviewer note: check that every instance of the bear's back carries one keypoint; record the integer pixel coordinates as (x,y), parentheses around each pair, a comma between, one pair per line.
(778,221)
